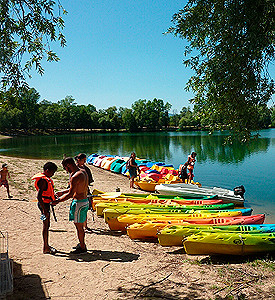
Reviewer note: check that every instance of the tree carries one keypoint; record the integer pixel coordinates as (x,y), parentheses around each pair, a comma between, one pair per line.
(264,120)
(26,30)
(129,120)
(234,44)
(187,118)
(140,112)
(272,116)
(67,113)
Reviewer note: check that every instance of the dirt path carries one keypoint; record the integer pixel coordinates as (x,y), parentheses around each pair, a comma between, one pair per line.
(115,267)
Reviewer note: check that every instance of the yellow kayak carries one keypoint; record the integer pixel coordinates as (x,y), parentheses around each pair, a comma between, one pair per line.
(120,223)
(207,243)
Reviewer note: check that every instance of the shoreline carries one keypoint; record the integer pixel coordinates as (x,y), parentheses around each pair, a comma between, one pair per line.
(115,267)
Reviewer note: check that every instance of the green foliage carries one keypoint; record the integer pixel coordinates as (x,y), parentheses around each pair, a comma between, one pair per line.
(21,109)
(27,29)
(129,120)
(273,116)
(187,118)
(233,43)
(152,115)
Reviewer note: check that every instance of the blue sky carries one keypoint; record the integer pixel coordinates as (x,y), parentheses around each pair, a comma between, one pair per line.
(116,54)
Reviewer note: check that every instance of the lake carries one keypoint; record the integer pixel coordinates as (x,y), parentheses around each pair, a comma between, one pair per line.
(252,164)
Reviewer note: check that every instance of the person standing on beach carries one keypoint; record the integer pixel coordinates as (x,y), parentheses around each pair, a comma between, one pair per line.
(4,175)
(132,166)
(190,165)
(78,188)
(80,162)
(45,187)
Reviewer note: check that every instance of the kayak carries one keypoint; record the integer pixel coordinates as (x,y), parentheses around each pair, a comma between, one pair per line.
(208,243)
(150,229)
(110,213)
(149,186)
(152,199)
(117,165)
(112,195)
(174,235)
(192,190)
(100,207)
(130,201)
(146,186)
(121,222)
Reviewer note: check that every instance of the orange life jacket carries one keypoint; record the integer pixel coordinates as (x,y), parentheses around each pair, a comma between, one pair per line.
(48,194)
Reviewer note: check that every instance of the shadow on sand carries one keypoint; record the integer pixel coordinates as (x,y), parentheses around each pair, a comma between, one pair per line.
(93,255)
(226,259)
(28,286)
(99,231)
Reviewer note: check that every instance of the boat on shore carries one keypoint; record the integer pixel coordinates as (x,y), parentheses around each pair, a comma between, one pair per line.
(151,229)
(223,243)
(191,190)
(174,235)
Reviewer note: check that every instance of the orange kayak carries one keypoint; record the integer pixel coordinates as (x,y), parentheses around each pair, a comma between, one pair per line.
(149,230)
(121,222)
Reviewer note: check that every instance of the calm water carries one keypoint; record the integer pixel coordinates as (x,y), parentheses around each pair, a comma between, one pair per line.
(252,165)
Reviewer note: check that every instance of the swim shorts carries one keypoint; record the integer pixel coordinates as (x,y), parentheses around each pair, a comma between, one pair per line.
(78,210)
(46,205)
(133,172)
(4,183)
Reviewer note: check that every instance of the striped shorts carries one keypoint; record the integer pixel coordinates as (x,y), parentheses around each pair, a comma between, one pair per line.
(78,210)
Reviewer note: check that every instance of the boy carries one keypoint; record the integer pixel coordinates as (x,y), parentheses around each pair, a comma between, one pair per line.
(4,174)
(45,195)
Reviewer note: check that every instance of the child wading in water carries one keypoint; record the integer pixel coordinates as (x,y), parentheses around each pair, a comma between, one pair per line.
(4,174)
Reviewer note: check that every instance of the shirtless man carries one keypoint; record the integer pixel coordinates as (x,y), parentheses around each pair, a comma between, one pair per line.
(78,188)
(80,162)
(4,175)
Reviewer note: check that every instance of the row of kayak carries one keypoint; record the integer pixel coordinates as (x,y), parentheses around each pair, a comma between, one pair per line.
(201,226)
(163,179)
(151,173)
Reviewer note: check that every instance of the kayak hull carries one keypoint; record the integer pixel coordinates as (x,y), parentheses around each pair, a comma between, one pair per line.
(122,222)
(229,244)
(150,229)
(174,235)
(191,190)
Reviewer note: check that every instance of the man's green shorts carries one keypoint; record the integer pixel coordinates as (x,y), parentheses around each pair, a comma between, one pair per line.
(78,210)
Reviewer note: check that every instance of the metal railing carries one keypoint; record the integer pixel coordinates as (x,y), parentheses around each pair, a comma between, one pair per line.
(6,275)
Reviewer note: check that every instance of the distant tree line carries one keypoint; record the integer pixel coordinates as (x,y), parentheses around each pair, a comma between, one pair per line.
(23,111)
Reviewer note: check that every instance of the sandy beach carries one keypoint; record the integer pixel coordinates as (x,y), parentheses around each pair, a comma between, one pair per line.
(115,267)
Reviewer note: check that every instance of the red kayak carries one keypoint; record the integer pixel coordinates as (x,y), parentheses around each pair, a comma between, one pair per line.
(151,229)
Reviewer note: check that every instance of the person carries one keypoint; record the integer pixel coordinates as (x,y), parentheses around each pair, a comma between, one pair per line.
(132,166)
(182,173)
(45,188)
(4,175)
(78,188)
(80,162)
(190,166)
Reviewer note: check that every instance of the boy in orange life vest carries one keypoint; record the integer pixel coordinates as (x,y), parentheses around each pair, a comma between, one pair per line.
(190,165)
(45,187)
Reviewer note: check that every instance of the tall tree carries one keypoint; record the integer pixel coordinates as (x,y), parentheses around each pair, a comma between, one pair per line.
(234,44)
(27,29)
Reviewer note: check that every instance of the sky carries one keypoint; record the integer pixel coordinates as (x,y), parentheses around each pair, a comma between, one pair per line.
(116,54)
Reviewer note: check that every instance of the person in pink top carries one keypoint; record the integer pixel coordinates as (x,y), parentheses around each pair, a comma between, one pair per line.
(190,166)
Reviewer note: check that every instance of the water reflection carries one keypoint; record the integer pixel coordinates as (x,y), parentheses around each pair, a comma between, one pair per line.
(154,146)
(212,148)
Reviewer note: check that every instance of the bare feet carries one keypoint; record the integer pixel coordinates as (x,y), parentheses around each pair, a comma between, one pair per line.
(50,250)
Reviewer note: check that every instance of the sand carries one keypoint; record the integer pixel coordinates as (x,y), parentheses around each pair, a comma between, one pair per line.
(115,267)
